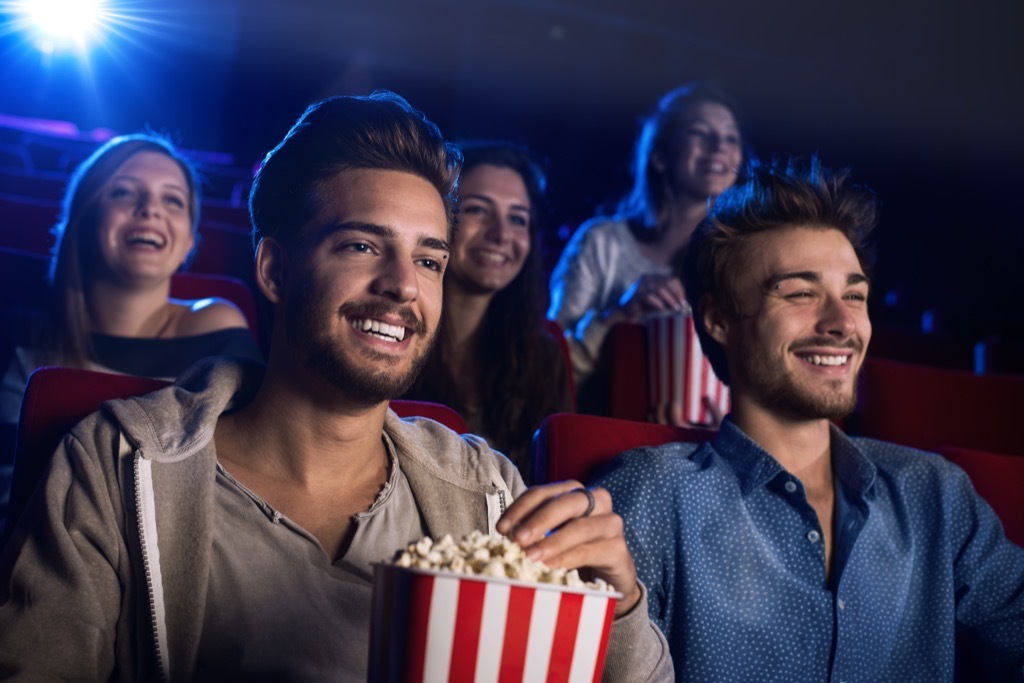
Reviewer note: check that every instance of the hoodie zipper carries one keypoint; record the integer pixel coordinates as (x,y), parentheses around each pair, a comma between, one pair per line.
(150,592)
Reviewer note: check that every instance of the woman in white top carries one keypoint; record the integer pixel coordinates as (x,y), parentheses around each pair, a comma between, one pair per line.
(620,268)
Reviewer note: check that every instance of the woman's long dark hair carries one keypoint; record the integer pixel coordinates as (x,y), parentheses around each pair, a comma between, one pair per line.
(523,372)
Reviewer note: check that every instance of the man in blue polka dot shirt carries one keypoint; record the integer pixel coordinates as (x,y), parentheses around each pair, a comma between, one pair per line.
(784,550)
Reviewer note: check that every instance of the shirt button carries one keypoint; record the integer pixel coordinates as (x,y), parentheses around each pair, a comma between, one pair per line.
(791,486)
(813,536)
(842,605)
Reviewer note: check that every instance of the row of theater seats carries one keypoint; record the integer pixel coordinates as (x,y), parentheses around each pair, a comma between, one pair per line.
(567,446)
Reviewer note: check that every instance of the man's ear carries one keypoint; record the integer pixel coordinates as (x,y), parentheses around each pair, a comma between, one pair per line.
(715,320)
(271,265)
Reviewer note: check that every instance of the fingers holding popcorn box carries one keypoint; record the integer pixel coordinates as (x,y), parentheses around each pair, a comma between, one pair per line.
(550,523)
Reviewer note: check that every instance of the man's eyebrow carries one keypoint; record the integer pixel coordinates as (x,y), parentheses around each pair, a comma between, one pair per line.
(857,278)
(812,277)
(806,275)
(435,243)
(384,231)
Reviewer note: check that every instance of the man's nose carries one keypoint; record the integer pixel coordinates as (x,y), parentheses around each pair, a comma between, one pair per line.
(836,319)
(397,280)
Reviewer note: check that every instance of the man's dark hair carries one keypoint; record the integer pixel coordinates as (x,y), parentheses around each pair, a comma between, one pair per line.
(773,196)
(379,131)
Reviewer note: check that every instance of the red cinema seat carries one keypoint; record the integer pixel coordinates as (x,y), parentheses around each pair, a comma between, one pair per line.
(999,479)
(572,446)
(629,396)
(438,412)
(927,407)
(55,400)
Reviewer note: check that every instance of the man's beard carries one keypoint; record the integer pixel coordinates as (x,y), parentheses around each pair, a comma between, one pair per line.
(795,402)
(778,390)
(360,383)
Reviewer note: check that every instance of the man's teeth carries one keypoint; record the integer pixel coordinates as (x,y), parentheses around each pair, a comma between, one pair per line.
(827,360)
(379,329)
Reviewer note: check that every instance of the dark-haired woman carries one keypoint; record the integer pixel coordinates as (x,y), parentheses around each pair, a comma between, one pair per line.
(495,362)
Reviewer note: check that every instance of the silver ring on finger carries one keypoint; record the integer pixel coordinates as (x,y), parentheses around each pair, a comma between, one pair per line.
(590,499)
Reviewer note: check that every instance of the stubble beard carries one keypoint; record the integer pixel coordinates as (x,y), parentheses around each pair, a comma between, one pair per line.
(364,384)
(360,379)
(795,402)
(778,390)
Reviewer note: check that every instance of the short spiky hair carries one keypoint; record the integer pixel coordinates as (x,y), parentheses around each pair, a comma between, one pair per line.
(379,131)
(776,195)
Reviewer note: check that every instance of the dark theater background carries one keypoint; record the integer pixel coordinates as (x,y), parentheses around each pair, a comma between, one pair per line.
(924,100)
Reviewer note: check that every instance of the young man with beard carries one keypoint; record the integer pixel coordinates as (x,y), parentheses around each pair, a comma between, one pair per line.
(224,528)
(783,549)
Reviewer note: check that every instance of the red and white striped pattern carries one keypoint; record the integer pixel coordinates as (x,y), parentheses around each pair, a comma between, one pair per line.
(680,374)
(435,626)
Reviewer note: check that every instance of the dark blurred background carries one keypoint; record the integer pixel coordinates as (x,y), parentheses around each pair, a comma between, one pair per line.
(924,100)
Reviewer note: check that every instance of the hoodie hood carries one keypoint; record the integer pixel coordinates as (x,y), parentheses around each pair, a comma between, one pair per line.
(174,423)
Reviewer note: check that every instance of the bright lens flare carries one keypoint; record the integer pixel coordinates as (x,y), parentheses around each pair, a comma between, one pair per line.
(58,21)
(66,18)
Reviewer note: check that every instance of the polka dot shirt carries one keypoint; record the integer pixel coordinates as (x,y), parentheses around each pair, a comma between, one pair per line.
(732,555)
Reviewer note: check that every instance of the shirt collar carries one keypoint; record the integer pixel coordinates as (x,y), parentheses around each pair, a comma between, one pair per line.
(854,471)
(754,466)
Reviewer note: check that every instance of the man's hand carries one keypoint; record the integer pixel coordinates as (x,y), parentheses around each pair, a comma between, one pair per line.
(549,523)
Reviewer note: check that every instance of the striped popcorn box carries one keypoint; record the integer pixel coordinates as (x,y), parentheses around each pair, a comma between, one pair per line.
(440,626)
(680,376)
